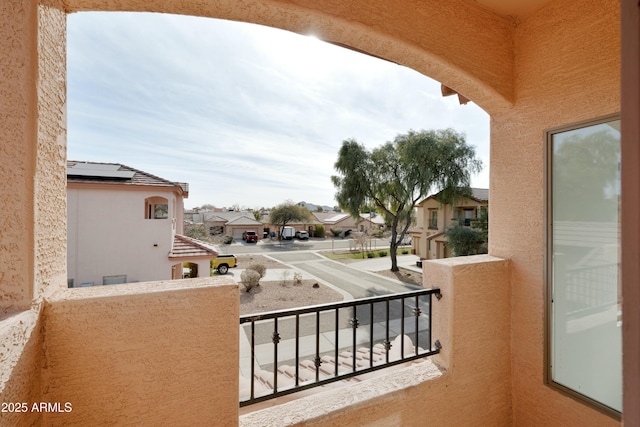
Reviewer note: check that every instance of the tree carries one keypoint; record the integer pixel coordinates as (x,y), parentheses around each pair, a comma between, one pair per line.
(396,175)
(286,213)
(465,241)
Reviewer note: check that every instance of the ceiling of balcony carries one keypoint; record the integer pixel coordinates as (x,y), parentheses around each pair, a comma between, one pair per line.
(514,8)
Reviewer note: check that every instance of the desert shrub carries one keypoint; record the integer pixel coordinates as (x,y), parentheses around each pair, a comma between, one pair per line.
(370,255)
(297,278)
(250,279)
(319,230)
(258,268)
(227,240)
(405,251)
(382,253)
(379,234)
(335,231)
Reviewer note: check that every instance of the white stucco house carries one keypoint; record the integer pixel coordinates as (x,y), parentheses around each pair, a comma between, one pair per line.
(125,225)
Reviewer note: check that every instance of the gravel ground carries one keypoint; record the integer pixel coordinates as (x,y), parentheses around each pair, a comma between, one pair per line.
(284,294)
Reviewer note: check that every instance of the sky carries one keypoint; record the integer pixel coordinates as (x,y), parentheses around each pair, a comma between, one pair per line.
(248,115)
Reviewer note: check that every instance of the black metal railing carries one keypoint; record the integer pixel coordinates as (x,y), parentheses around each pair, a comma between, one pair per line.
(351,337)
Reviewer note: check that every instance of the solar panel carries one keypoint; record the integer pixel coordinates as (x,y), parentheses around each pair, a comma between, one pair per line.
(94,170)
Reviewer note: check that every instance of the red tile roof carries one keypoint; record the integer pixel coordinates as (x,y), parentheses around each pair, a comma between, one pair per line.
(186,247)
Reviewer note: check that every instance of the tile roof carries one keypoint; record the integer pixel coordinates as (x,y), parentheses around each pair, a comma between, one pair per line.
(186,247)
(116,173)
(477,194)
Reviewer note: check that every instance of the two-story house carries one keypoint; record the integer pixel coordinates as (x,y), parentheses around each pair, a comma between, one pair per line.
(125,225)
(433,217)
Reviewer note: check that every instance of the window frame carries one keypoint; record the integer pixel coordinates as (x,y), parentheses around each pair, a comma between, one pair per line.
(548,264)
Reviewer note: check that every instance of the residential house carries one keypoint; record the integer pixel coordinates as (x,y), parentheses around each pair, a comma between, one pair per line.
(167,352)
(433,217)
(232,223)
(345,222)
(125,225)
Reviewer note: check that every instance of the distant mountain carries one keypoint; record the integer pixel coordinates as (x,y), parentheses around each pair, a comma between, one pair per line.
(313,207)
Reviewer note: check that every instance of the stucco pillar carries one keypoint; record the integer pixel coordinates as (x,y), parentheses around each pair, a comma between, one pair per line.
(18,29)
(472,321)
(32,94)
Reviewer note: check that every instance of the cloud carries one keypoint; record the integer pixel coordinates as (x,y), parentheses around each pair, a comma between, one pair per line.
(246,114)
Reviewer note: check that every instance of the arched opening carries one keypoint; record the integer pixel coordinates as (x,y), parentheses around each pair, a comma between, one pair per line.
(156,208)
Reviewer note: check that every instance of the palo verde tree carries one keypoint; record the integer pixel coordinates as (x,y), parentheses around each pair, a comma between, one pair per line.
(286,213)
(396,175)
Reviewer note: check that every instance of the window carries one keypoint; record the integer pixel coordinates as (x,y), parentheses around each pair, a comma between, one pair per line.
(469,214)
(114,280)
(433,218)
(156,208)
(582,259)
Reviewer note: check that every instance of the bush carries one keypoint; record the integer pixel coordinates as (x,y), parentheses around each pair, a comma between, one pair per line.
(370,255)
(405,251)
(227,240)
(336,231)
(319,230)
(297,278)
(258,268)
(382,253)
(250,279)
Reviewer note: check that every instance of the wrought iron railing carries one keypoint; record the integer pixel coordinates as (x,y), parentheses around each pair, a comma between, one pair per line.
(333,342)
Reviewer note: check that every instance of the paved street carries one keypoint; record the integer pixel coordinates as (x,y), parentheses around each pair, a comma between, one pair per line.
(314,244)
(354,280)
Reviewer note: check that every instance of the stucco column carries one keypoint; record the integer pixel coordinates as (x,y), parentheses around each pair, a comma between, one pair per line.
(472,321)
(33,95)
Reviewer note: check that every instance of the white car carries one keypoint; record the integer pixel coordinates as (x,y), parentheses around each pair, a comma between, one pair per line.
(302,235)
(405,241)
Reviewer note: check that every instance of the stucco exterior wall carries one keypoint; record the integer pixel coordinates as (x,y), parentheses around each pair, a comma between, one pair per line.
(109,235)
(21,343)
(161,353)
(567,69)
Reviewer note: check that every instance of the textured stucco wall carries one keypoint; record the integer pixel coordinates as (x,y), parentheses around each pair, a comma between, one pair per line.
(473,385)
(160,353)
(33,93)
(18,131)
(21,361)
(567,70)
(51,152)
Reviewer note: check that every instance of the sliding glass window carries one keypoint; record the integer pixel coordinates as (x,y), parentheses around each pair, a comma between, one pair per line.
(583,307)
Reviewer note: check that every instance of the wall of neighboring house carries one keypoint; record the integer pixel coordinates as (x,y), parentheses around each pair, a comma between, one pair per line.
(108,235)
(447,216)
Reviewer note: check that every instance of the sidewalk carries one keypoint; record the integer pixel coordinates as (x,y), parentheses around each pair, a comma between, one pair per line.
(384,263)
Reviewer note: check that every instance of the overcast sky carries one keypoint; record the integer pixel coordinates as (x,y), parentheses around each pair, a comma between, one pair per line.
(246,114)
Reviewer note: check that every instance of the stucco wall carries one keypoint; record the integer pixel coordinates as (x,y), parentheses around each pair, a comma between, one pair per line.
(17,133)
(21,361)
(109,235)
(161,353)
(567,70)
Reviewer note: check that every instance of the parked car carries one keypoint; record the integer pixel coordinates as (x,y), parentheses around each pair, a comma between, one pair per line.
(222,263)
(302,235)
(406,240)
(250,237)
